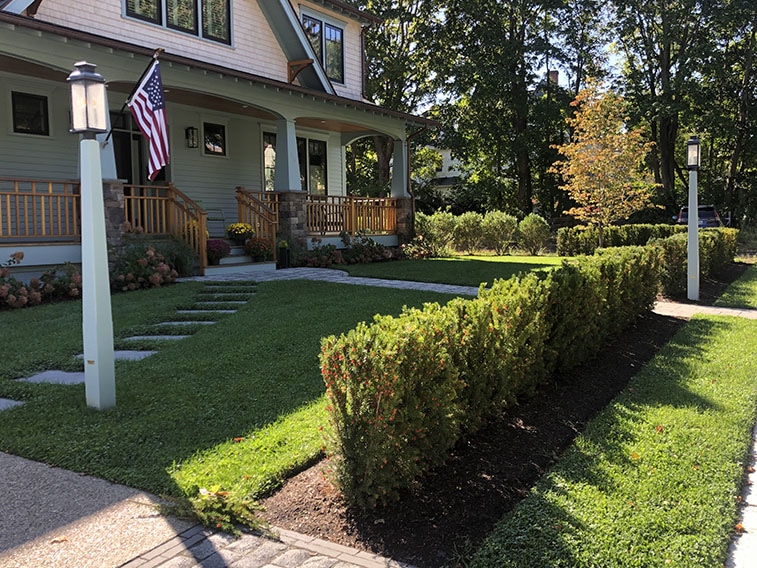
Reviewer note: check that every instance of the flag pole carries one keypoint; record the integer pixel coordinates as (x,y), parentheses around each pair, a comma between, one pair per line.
(155,56)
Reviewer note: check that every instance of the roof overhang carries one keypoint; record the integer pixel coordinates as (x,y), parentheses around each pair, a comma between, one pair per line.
(117,45)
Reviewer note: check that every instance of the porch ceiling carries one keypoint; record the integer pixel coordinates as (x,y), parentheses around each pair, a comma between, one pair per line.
(26,68)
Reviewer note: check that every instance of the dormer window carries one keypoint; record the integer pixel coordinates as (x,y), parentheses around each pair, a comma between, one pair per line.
(327,39)
(209,19)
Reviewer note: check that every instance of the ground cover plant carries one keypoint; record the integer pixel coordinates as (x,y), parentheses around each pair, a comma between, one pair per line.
(654,478)
(459,270)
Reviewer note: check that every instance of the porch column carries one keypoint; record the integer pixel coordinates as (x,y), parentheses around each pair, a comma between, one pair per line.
(287,173)
(400,169)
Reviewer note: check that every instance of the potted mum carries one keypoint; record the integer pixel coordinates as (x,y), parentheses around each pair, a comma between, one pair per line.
(217,249)
(240,232)
(259,249)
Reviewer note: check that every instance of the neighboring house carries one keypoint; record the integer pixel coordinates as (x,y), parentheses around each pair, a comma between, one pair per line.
(262,96)
(448,174)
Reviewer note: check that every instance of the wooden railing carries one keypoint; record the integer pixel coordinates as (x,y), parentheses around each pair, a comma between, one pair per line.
(261,210)
(164,210)
(334,214)
(46,209)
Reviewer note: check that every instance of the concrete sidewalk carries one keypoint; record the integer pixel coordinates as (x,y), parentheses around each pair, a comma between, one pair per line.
(54,518)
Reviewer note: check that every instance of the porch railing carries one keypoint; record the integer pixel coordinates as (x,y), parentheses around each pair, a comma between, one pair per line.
(164,210)
(334,214)
(261,210)
(44,209)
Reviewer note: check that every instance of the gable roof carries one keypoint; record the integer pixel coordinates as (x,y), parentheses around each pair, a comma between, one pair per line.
(294,43)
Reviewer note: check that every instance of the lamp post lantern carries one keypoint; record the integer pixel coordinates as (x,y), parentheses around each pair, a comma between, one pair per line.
(692,164)
(89,111)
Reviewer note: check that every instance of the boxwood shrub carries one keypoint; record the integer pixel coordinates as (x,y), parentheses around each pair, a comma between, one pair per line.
(572,241)
(402,391)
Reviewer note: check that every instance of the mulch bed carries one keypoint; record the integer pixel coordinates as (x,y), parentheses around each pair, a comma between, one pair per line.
(456,506)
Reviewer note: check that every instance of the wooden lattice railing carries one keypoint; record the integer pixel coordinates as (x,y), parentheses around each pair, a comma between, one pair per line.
(164,210)
(43,209)
(368,215)
(261,210)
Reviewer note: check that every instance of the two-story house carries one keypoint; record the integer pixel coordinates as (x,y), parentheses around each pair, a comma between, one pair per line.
(262,97)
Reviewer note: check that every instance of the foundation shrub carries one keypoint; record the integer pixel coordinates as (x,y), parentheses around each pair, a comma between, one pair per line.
(141,267)
(434,233)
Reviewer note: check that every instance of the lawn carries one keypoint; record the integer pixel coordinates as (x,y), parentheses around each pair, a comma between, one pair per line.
(743,293)
(654,478)
(457,270)
(251,376)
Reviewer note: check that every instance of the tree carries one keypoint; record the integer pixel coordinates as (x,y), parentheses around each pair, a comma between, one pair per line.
(604,169)
(398,69)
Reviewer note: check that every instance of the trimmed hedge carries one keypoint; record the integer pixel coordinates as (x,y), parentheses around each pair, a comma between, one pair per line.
(717,249)
(572,241)
(403,390)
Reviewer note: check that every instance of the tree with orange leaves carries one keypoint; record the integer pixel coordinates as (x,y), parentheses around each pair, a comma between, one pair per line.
(603,169)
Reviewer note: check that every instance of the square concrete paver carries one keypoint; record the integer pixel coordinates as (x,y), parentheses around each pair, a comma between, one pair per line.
(56,377)
(6,403)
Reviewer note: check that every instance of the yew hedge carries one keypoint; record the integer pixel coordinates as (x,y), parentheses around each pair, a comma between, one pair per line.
(403,390)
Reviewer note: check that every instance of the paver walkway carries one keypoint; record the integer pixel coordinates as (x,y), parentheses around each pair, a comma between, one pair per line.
(55,518)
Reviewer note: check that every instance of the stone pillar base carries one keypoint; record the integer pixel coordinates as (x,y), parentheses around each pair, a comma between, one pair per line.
(293,215)
(405,219)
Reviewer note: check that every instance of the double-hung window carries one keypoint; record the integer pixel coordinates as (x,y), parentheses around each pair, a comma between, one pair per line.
(311,156)
(210,19)
(327,40)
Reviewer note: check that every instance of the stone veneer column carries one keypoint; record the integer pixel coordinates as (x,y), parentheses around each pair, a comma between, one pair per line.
(293,215)
(405,220)
(115,217)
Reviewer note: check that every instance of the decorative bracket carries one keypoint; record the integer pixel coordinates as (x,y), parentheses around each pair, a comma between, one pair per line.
(294,68)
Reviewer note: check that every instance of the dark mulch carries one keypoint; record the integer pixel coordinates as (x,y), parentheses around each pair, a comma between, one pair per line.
(457,505)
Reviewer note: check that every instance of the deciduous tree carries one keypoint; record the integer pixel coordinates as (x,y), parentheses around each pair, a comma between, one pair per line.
(603,164)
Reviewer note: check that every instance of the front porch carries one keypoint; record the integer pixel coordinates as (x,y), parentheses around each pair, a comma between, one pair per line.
(41,218)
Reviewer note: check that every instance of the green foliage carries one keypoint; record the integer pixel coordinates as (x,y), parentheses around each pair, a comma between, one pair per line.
(259,248)
(572,241)
(434,234)
(717,248)
(401,390)
(468,233)
(499,230)
(533,234)
(60,283)
(141,267)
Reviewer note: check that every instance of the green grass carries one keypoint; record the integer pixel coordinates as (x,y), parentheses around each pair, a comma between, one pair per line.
(743,292)
(253,375)
(458,270)
(654,478)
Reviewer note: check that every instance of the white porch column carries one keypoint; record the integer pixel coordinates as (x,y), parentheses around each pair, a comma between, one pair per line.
(287,172)
(400,170)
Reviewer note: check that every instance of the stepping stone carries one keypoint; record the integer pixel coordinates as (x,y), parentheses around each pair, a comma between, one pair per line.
(186,323)
(56,377)
(7,403)
(206,311)
(127,355)
(229,302)
(157,337)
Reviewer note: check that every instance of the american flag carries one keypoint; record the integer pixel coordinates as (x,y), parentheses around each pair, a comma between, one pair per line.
(149,110)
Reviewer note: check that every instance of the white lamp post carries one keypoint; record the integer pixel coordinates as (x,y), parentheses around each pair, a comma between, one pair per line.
(692,163)
(89,109)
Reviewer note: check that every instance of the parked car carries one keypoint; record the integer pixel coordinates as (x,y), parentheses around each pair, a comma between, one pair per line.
(708,216)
